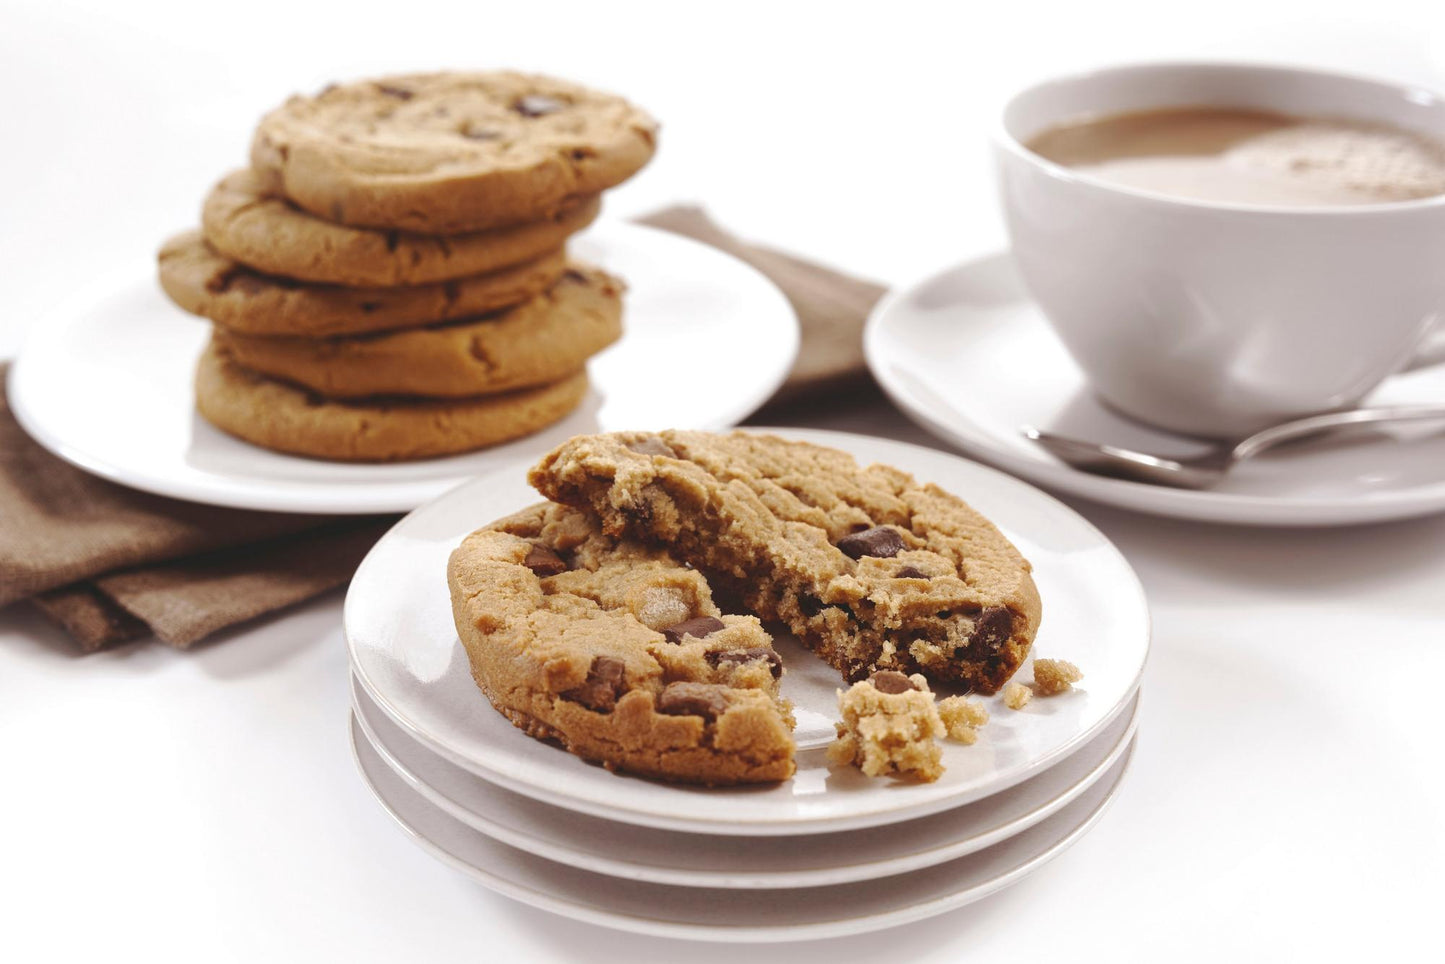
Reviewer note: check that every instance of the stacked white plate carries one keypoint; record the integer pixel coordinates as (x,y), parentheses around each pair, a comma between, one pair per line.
(827,853)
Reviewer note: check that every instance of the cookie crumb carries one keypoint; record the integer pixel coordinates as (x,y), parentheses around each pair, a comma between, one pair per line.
(962,718)
(888,731)
(1016,696)
(1054,676)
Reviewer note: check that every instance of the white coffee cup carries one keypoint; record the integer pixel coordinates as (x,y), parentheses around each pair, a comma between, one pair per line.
(1219,319)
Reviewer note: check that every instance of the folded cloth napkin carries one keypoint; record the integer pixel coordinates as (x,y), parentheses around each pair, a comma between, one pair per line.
(110,564)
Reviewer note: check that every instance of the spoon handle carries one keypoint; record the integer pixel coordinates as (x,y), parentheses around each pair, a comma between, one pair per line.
(1285,431)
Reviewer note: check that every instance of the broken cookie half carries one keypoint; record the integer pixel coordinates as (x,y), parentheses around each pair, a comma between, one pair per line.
(617,651)
(870,568)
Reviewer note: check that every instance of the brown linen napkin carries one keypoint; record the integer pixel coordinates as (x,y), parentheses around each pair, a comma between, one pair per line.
(186,600)
(110,564)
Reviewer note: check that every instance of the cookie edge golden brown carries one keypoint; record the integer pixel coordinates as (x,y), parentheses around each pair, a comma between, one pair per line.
(283,418)
(276,238)
(309,169)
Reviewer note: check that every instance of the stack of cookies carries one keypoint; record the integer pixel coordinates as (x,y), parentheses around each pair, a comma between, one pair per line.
(388,279)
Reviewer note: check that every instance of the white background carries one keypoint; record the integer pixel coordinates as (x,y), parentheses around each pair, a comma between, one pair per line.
(1287,798)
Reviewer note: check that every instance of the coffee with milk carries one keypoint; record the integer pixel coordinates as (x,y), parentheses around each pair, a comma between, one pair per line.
(1240,156)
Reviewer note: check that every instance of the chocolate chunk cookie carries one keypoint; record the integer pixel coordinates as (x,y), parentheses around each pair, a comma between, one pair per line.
(205,282)
(279,416)
(870,568)
(277,238)
(617,651)
(541,341)
(449,153)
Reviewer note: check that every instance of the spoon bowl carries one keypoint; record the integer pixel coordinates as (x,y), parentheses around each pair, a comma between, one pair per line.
(1206,470)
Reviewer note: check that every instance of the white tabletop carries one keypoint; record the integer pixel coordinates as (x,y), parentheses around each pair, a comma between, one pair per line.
(1286,799)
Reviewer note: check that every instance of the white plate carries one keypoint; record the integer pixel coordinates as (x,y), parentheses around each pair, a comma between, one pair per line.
(707,860)
(731,915)
(106,384)
(405,653)
(969,357)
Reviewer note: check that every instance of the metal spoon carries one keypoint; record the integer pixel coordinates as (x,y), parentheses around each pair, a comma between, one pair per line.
(1203,471)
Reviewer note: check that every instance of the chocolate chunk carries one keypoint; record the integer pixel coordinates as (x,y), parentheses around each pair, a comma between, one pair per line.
(911,572)
(738,657)
(535,105)
(991,628)
(652,445)
(811,606)
(400,93)
(544,561)
(707,700)
(393,238)
(604,683)
(879,541)
(700,627)
(891,681)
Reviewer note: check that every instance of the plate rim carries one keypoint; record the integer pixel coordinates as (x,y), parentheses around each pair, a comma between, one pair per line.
(1201,505)
(349,498)
(739,880)
(743,933)
(573,800)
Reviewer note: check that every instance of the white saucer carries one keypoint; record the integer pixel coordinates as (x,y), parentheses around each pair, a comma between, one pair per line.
(405,653)
(706,860)
(731,915)
(106,384)
(969,357)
